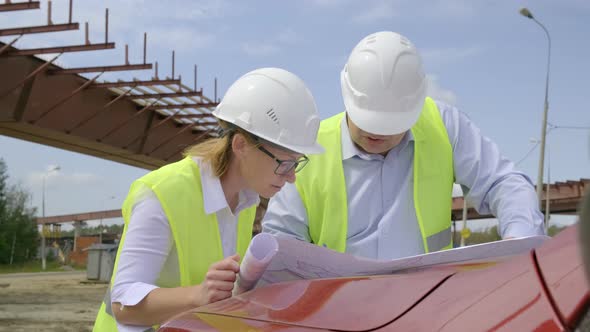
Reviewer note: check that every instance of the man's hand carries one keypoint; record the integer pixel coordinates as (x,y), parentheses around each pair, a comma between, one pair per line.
(219,281)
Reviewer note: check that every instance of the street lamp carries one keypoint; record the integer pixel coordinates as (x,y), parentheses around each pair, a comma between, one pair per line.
(52,169)
(526,13)
(100,230)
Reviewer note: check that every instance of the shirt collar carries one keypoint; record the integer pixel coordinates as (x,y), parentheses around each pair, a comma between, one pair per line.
(213,196)
(349,149)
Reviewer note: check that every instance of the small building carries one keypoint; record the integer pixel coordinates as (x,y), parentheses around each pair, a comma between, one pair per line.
(101,260)
(79,256)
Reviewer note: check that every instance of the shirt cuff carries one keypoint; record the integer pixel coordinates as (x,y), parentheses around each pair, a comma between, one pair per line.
(132,328)
(519,229)
(132,294)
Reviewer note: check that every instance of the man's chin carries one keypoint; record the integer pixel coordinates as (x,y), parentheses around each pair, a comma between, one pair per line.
(375,149)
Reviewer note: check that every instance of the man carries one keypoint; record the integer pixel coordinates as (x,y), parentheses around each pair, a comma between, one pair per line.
(383,188)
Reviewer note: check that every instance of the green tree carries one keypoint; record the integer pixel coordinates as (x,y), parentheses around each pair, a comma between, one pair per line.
(18,228)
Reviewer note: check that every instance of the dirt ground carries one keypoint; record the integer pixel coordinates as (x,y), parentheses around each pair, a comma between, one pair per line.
(53,301)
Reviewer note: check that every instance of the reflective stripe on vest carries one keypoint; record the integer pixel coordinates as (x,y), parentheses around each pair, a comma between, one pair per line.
(322,186)
(196,234)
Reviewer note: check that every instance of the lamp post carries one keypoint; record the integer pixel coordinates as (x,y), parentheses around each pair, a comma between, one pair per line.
(548,185)
(52,169)
(100,230)
(526,13)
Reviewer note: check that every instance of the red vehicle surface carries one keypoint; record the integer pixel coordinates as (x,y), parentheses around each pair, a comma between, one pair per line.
(542,290)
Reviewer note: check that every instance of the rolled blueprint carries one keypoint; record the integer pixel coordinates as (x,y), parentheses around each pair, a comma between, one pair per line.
(262,249)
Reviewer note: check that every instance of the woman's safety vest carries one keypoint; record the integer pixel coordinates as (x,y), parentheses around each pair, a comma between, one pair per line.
(196,234)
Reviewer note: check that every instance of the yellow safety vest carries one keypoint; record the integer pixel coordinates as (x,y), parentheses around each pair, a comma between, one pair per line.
(322,186)
(196,234)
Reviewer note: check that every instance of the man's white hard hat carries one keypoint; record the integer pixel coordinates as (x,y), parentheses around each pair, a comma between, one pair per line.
(383,84)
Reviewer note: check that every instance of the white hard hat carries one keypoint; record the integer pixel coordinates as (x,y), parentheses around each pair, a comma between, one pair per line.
(383,84)
(275,105)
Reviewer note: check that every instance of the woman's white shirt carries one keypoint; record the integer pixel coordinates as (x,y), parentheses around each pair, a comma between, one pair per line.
(149,258)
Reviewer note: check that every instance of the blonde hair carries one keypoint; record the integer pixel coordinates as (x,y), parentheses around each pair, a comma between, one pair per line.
(217,151)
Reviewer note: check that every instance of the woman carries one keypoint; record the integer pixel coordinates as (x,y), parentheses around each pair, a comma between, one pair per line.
(188,223)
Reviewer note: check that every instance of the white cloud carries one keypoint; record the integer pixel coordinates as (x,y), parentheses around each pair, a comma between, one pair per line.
(180,38)
(450,54)
(273,45)
(288,36)
(326,3)
(35,179)
(453,8)
(437,92)
(381,11)
(260,49)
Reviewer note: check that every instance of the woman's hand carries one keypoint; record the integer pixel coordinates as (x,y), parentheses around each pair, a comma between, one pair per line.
(219,281)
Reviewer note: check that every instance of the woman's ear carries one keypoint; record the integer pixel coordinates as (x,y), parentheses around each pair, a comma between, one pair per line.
(239,145)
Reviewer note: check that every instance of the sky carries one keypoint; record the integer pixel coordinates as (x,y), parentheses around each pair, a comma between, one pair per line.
(480,55)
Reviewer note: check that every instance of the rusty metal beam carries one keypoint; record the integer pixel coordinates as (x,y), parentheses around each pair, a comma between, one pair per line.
(563,198)
(181,87)
(145,90)
(207,124)
(133,83)
(165,95)
(194,116)
(147,132)
(39,29)
(197,139)
(29,76)
(80,217)
(68,97)
(164,142)
(119,97)
(7,46)
(6,7)
(182,106)
(122,124)
(96,113)
(100,69)
(23,99)
(62,49)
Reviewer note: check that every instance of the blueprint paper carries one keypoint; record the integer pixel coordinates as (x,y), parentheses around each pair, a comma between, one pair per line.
(261,251)
(297,259)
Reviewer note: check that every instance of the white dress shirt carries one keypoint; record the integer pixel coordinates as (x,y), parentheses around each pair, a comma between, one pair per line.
(382,221)
(149,260)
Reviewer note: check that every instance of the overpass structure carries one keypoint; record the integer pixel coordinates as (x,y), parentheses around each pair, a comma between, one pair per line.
(564,198)
(144,122)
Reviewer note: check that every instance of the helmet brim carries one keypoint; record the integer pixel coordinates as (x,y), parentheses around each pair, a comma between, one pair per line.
(380,122)
(314,148)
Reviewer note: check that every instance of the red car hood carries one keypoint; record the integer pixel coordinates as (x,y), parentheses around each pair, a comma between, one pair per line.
(361,303)
(347,304)
(508,293)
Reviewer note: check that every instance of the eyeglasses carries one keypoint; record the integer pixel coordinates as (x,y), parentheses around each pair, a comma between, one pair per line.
(284,167)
